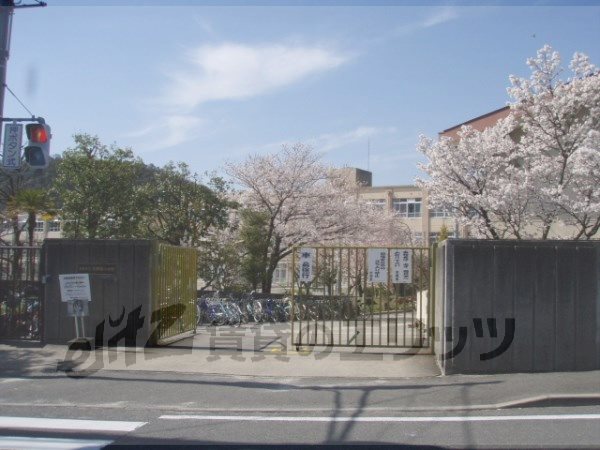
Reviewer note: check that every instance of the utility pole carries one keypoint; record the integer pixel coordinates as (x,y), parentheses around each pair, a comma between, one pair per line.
(7,8)
(6,12)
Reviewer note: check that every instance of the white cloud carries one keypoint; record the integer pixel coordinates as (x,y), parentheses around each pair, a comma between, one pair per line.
(323,143)
(236,71)
(227,71)
(169,131)
(439,17)
(205,26)
(332,141)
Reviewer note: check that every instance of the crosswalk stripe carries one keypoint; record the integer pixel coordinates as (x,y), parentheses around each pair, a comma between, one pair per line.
(28,423)
(29,443)
(12,380)
(384,419)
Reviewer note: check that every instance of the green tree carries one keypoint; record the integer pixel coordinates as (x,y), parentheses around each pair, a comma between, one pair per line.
(12,182)
(32,202)
(100,191)
(182,210)
(255,245)
(219,262)
(443,234)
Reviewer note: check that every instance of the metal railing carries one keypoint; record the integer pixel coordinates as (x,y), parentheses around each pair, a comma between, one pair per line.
(20,293)
(361,297)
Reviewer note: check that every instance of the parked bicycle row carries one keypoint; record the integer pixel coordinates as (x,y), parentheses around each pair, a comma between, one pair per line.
(229,311)
(19,318)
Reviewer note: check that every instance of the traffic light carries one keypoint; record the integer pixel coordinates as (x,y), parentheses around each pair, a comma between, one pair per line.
(37,152)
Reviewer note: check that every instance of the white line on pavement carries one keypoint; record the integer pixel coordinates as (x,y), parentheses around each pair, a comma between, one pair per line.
(385,419)
(27,443)
(67,424)
(12,380)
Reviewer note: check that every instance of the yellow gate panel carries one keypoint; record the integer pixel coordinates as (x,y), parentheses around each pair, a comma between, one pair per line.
(173,290)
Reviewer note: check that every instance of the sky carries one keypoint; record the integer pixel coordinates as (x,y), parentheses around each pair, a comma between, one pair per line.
(213,82)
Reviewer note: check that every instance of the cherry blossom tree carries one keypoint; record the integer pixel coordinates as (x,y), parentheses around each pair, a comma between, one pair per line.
(478,177)
(533,171)
(560,120)
(303,202)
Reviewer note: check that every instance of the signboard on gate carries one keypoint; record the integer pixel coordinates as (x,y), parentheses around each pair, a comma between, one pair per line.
(378,265)
(306,265)
(401,266)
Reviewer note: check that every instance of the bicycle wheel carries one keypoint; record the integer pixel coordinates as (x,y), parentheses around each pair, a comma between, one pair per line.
(257,311)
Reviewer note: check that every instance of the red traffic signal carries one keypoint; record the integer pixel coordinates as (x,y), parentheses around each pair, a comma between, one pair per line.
(37,133)
(37,152)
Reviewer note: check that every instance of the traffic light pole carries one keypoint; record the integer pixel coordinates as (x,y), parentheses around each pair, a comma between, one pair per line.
(6,12)
(7,8)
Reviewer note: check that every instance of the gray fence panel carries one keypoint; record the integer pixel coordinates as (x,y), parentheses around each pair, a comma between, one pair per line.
(566,299)
(550,288)
(502,301)
(524,308)
(119,283)
(587,324)
(544,325)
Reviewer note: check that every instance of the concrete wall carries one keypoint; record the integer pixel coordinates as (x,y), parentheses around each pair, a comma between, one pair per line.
(549,290)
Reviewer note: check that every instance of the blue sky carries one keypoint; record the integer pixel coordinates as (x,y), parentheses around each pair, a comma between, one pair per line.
(206,84)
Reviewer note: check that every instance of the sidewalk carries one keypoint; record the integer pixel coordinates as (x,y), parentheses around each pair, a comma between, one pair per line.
(184,357)
(416,375)
(249,350)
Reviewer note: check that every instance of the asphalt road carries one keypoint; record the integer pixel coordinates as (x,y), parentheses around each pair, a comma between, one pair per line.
(151,408)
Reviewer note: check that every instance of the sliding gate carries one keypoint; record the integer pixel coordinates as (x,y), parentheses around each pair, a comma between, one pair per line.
(361,297)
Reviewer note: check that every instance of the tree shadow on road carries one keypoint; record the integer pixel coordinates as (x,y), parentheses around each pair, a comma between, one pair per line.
(25,357)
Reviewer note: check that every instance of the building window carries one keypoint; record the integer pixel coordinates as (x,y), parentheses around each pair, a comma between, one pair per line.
(378,203)
(440,212)
(39,226)
(280,274)
(418,237)
(54,226)
(407,207)
(433,237)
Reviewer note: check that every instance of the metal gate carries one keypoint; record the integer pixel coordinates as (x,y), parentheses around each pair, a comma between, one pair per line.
(20,293)
(361,297)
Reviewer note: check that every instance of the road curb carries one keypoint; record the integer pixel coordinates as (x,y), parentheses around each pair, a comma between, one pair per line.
(388,410)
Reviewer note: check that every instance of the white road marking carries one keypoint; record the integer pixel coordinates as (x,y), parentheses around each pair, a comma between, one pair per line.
(27,443)
(28,423)
(12,380)
(385,419)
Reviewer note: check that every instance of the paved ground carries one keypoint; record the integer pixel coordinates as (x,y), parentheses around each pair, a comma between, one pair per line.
(267,353)
(147,407)
(250,386)
(245,351)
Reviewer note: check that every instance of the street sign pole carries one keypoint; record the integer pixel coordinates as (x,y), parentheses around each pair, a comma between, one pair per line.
(7,8)
(6,12)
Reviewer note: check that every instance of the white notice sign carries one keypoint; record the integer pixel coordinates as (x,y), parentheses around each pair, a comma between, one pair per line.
(401,266)
(75,286)
(378,265)
(306,265)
